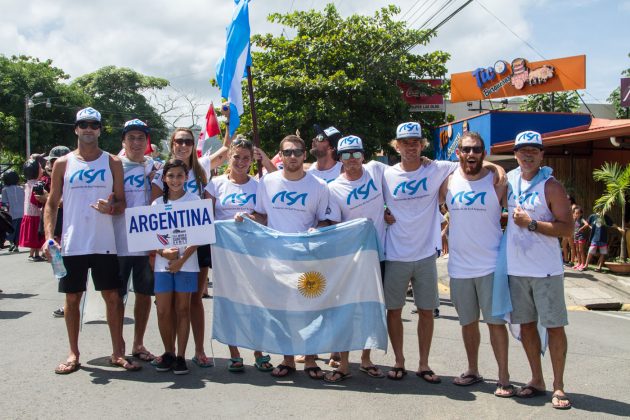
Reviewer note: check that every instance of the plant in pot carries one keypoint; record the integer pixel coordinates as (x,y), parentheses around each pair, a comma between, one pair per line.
(617,183)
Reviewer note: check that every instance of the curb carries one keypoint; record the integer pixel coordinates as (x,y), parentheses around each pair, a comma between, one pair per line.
(609,306)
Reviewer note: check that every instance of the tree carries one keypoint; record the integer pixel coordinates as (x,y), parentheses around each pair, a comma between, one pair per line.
(339,72)
(615,97)
(617,180)
(562,102)
(22,76)
(119,95)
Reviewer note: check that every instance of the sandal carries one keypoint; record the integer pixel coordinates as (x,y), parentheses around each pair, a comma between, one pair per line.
(262,363)
(234,364)
(283,368)
(474,379)
(202,362)
(313,372)
(558,399)
(67,367)
(336,376)
(372,371)
(395,371)
(424,373)
(144,355)
(510,388)
(123,362)
(531,392)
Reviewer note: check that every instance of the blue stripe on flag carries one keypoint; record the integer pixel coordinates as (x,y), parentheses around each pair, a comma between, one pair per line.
(329,242)
(344,328)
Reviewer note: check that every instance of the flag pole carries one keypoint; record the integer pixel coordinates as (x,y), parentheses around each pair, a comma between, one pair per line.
(250,89)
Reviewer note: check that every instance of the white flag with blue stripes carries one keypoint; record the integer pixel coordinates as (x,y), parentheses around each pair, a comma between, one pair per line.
(231,67)
(298,293)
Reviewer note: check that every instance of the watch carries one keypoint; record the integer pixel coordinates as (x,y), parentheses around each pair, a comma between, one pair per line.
(532,226)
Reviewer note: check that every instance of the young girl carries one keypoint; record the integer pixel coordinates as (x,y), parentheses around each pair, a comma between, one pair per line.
(579,238)
(13,201)
(176,271)
(29,230)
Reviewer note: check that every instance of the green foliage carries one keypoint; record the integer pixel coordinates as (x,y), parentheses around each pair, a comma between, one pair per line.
(617,181)
(339,72)
(22,76)
(615,97)
(562,102)
(118,94)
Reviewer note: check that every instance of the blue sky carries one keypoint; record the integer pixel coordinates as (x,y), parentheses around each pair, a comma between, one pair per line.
(183,40)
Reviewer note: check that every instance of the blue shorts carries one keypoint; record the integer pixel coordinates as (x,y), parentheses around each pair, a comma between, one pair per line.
(182,282)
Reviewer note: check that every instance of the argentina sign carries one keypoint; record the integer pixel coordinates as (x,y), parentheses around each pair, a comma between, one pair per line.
(175,225)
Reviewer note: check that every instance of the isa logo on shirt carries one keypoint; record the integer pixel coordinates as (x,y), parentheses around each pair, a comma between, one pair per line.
(362,192)
(468,198)
(528,198)
(290,197)
(239,199)
(135,181)
(88,176)
(191,186)
(410,187)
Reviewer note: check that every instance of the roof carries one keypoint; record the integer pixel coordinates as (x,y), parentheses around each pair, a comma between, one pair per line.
(598,129)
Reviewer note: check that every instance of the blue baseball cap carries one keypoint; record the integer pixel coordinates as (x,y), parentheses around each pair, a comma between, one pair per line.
(135,124)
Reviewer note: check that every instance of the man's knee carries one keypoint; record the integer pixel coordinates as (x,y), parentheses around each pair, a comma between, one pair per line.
(556,332)
(394,314)
(73,300)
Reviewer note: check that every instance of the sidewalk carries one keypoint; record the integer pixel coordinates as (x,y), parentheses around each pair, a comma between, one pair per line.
(582,290)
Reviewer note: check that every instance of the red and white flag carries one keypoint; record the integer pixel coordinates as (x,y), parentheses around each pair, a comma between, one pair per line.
(209,136)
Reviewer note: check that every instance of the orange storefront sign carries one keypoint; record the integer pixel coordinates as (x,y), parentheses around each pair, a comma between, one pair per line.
(518,78)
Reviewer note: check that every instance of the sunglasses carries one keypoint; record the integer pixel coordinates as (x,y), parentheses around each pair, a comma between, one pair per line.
(473,149)
(85,124)
(182,142)
(294,152)
(348,155)
(320,138)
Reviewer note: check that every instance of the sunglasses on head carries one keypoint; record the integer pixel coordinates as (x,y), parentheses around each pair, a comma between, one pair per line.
(294,152)
(348,155)
(243,143)
(473,149)
(320,138)
(182,142)
(94,125)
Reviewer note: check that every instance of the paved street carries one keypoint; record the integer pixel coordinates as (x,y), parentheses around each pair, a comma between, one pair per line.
(33,343)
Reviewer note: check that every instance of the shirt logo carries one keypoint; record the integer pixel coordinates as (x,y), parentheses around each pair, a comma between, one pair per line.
(289,197)
(528,198)
(88,176)
(468,198)
(191,186)
(135,181)
(362,192)
(239,199)
(410,187)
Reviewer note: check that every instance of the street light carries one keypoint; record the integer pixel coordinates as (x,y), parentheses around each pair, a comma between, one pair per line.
(28,104)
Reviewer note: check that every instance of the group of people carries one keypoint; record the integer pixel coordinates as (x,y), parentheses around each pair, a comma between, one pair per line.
(401,200)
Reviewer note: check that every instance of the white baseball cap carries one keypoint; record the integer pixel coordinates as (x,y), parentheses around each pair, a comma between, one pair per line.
(349,143)
(528,138)
(88,114)
(409,130)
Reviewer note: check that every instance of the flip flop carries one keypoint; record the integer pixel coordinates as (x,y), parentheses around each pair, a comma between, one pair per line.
(560,398)
(67,367)
(508,387)
(372,371)
(290,370)
(313,371)
(341,376)
(261,361)
(127,364)
(395,377)
(144,355)
(199,362)
(533,392)
(424,373)
(233,365)
(474,379)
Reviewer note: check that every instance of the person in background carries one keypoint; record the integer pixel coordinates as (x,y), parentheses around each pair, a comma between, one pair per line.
(579,238)
(29,229)
(599,239)
(13,201)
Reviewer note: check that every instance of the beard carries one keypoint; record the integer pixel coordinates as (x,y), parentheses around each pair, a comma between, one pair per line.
(471,171)
(318,153)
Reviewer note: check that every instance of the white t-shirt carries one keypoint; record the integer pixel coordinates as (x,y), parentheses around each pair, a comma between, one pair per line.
(191,181)
(191,264)
(328,175)
(231,198)
(362,197)
(412,198)
(293,206)
(137,193)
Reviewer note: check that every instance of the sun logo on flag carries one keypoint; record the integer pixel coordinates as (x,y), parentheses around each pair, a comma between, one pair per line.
(312,284)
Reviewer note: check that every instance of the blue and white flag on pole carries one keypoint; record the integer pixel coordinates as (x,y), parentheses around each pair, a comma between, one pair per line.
(298,293)
(231,67)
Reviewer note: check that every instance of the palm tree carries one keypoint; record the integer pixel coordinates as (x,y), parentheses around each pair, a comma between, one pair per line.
(617,180)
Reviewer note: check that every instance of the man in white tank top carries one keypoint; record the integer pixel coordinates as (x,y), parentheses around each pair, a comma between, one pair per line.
(474,204)
(539,213)
(323,148)
(90,181)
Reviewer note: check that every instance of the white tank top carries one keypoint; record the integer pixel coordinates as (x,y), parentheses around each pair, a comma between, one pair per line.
(85,229)
(474,226)
(531,254)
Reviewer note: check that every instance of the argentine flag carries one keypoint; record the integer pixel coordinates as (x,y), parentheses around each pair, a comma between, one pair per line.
(298,293)
(231,67)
